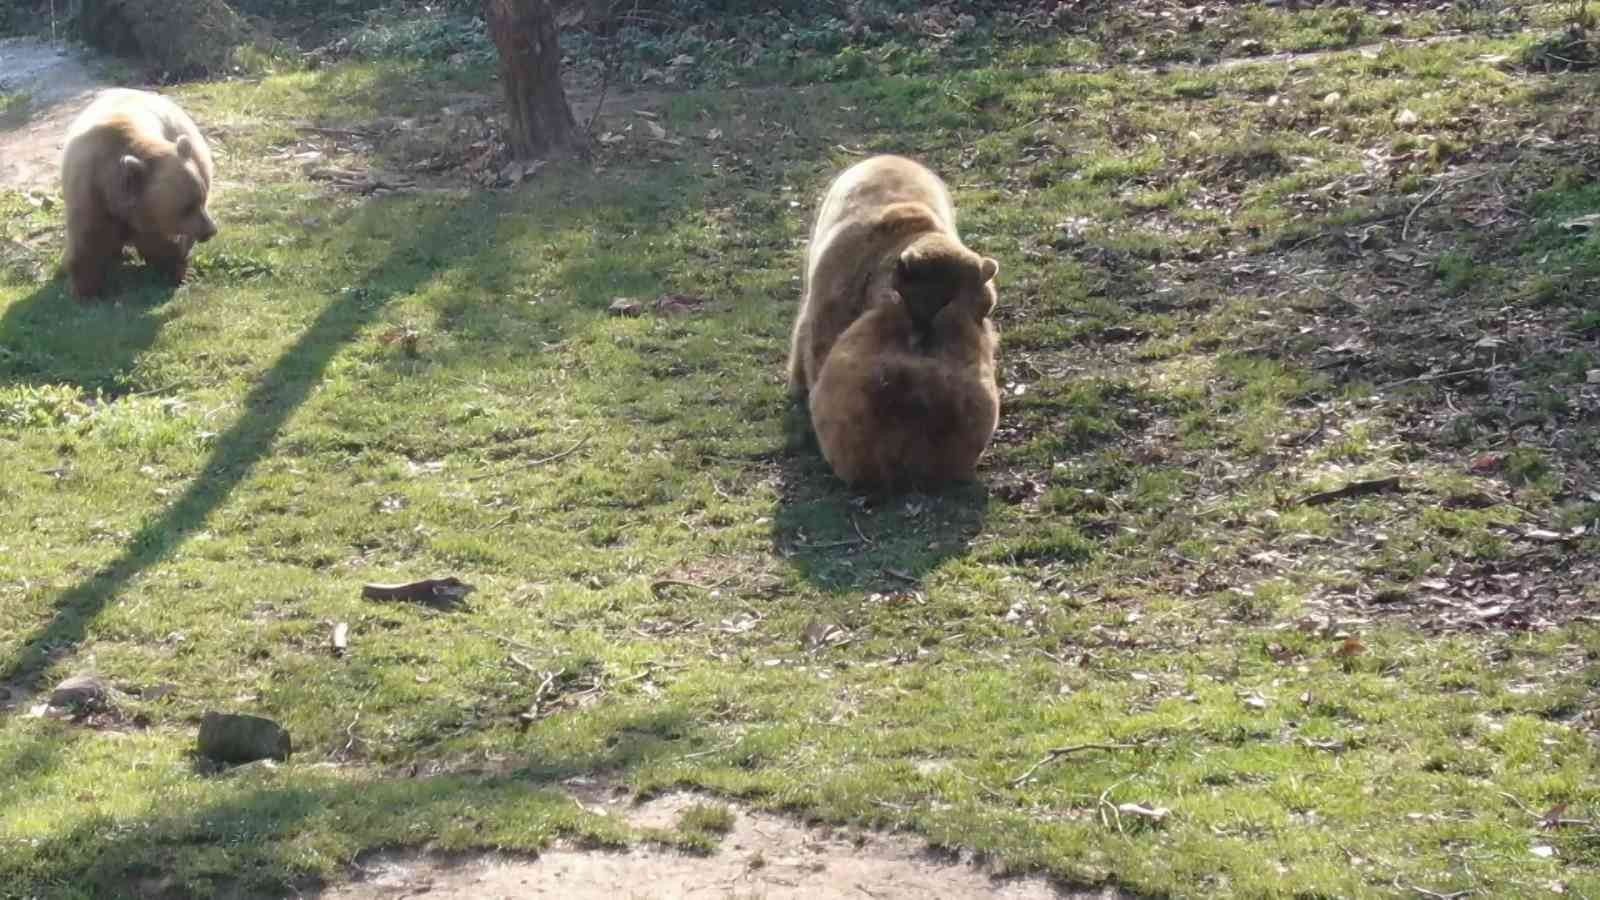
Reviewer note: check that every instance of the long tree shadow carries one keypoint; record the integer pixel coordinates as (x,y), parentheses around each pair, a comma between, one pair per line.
(276,395)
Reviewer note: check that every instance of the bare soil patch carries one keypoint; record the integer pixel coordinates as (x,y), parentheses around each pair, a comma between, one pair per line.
(762,855)
(56,85)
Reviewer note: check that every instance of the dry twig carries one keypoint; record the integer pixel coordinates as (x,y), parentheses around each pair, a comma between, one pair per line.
(447,591)
(1060,752)
(1353,489)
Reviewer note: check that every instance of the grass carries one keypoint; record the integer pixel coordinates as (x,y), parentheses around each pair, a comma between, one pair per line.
(1349,699)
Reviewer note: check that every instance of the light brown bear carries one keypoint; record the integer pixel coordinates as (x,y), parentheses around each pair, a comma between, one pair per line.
(137,171)
(894,346)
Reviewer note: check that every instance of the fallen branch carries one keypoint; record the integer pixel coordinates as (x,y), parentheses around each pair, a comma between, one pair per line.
(1551,819)
(826,545)
(1406,228)
(1354,489)
(1061,752)
(562,455)
(1440,376)
(447,591)
(1436,895)
(541,460)
(859,532)
(659,583)
(508,641)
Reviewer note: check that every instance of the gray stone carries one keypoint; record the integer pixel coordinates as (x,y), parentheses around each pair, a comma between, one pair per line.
(81,692)
(232,738)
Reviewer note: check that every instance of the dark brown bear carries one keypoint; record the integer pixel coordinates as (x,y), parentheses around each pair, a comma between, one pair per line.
(135,171)
(894,346)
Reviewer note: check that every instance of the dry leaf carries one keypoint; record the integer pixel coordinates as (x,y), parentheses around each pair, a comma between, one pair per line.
(1351,647)
(656,130)
(1552,816)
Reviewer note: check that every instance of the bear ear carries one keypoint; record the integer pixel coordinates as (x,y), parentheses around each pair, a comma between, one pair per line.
(988,269)
(132,174)
(184,147)
(902,266)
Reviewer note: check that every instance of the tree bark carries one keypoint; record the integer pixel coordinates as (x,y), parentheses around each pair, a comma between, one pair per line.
(541,122)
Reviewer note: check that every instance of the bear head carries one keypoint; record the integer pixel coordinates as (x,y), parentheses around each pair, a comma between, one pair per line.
(165,193)
(936,270)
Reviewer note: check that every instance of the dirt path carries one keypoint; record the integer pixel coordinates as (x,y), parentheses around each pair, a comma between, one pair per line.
(763,856)
(56,85)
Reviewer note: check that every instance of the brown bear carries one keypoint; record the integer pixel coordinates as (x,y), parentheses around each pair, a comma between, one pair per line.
(894,346)
(137,171)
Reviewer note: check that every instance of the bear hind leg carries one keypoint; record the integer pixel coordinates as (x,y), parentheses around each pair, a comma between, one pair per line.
(91,253)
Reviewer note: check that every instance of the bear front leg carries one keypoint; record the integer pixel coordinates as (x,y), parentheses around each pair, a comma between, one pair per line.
(87,274)
(170,256)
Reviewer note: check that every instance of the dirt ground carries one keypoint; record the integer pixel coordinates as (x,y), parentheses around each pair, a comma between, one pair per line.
(763,856)
(58,85)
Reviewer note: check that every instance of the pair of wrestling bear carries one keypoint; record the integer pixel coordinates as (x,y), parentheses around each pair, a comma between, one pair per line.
(893,348)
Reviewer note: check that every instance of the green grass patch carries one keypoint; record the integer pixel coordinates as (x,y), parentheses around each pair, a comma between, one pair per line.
(1208,314)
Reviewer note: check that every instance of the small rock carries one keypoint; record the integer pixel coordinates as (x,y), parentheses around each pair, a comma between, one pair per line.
(622,306)
(1405,118)
(231,738)
(81,692)
(1332,99)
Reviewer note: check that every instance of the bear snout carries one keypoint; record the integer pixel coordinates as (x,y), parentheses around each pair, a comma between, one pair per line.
(208,229)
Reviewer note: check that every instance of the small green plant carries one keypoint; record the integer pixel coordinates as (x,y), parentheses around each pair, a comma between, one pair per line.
(702,826)
(42,406)
(433,38)
(1456,272)
(1526,466)
(707,818)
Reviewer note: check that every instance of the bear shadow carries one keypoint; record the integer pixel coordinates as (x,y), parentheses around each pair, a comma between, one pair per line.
(50,337)
(846,540)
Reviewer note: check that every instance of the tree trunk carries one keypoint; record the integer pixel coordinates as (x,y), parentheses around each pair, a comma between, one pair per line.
(524,31)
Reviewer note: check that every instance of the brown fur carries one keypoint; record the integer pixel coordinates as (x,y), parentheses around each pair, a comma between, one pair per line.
(897,406)
(135,171)
(893,344)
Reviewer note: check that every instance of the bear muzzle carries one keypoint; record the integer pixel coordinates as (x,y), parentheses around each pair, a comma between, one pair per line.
(208,230)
